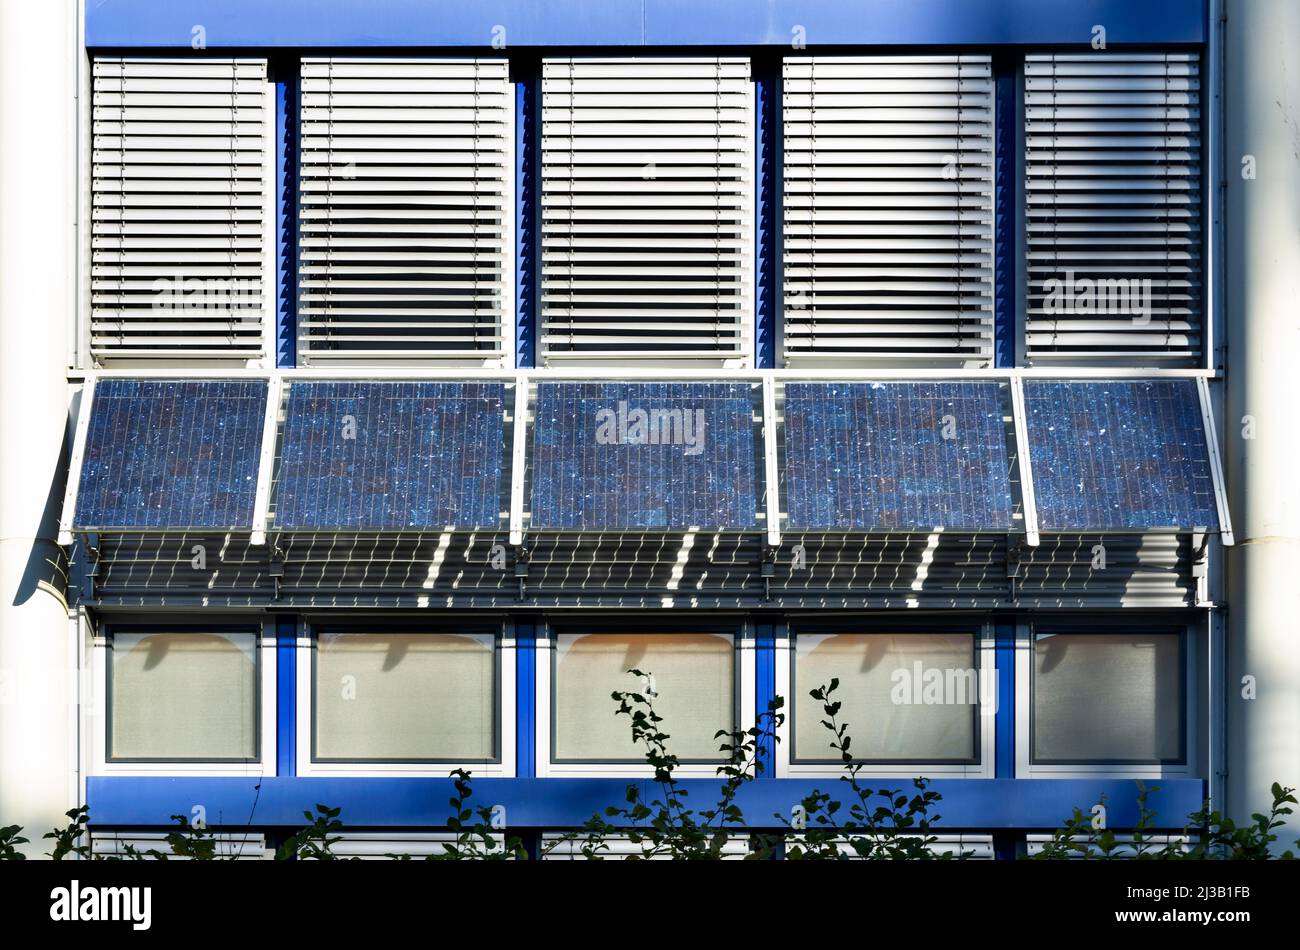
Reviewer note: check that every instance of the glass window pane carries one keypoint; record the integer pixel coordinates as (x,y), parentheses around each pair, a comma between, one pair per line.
(183,696)
(906,697)
(405,696)
(694,677)
(1107,698)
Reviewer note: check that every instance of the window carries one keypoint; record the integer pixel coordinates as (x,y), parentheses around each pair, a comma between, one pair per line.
(180,196)
(647,209)
(188,696)
(693,678)
(406,211)
(405,697)
(888,220)
(1102,698)
(906,697)
(1113,208)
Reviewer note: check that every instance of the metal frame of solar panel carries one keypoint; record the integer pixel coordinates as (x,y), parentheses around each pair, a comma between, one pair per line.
(899,456)
(1121,455)
(390,455)
(646,456)
(166,454)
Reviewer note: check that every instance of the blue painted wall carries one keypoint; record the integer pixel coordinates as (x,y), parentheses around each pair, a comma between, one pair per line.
(570,23)
(559,803)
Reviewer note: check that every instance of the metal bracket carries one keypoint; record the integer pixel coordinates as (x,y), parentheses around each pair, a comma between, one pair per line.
(266,461)
(1022,458)
(74,464)
(518,460)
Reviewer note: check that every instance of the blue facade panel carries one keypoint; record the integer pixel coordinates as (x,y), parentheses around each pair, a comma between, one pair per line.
(586,23)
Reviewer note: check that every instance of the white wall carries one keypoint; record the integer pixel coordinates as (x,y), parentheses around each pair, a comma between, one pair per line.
(1262,248)
(39,55)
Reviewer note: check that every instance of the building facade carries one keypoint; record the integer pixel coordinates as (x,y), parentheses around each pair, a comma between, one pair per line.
(379,383)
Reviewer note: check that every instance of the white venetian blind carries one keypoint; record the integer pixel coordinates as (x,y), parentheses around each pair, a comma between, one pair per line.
(179,204)
(405,206)
(888,222)
(1113,207)
(647,209)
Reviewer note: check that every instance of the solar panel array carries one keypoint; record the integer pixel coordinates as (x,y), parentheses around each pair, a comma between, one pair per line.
(171,454)
(1113,454)
(905,456)
(644,455)
(365,455)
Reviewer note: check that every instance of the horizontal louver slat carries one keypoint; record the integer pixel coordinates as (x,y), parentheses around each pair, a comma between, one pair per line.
(405,203)
(178,210)
(888,209)
(647,209)
(1113,208)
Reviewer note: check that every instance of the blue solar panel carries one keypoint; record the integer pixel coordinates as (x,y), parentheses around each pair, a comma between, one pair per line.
(391,455)
(171,454)
(644,455)
(902,456)
(1119,455)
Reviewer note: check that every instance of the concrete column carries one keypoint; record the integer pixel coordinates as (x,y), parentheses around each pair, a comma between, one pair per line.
(38,194)
(1262,299)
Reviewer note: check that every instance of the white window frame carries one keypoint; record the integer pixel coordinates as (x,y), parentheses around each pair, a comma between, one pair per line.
(507,323)
(744,643)
(986,734)
(1024,659)
(80,347)
(305,714)
(98,702)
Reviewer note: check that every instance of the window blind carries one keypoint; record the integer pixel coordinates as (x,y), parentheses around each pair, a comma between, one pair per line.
(405,206)
(647,209)
(179,196)
(1113,208)
(888,209)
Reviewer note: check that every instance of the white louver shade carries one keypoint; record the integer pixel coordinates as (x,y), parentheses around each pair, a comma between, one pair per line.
(888,224)
(405,210)
(647,209)
(180,195)
(1112,202)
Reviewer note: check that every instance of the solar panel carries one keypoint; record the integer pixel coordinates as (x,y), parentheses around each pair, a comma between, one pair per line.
(366,455)
(1113,454)
(906,456)
(644,455)
(171,454)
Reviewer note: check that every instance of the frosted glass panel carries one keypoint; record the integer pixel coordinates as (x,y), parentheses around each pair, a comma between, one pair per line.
(694,677)
(1107,698)
(905,697)
(183,696)
(405,696)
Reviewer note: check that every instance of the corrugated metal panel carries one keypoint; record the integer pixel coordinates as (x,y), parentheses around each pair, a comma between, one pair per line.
(156,566)
(1152,570)
(939,571)
(179,197)
(965,570)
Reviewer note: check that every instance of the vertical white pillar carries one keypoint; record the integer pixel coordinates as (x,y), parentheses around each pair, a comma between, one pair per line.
(39,55)
(1262,247)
